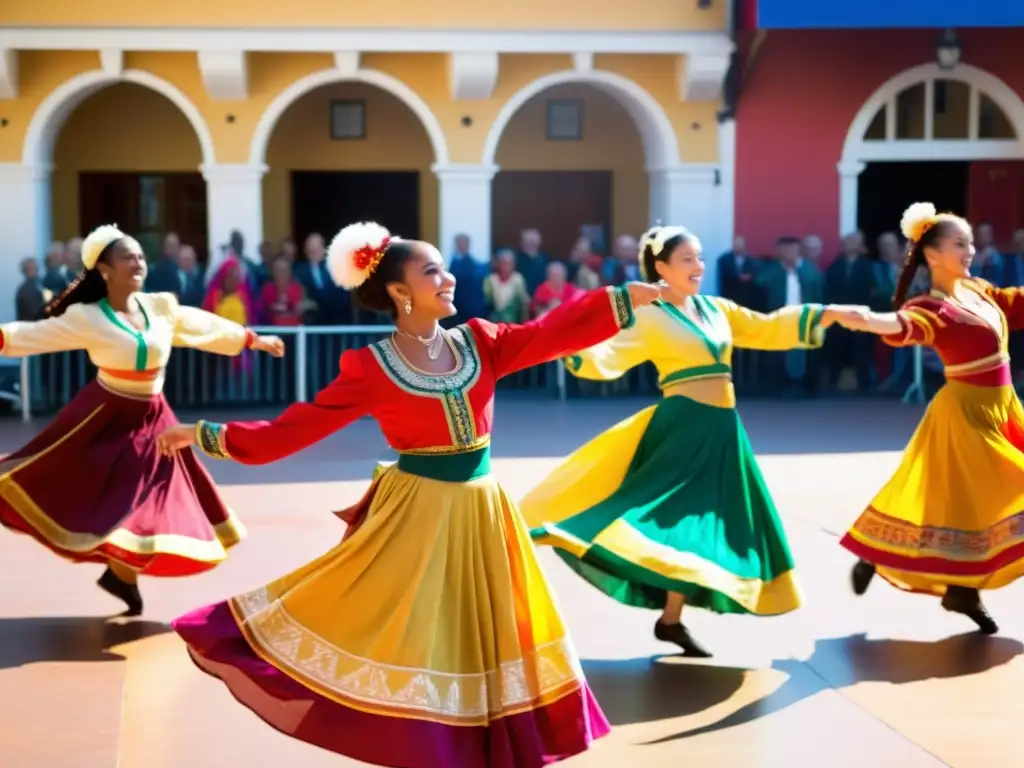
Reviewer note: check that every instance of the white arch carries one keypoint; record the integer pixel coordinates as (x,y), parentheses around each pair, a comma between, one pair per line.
(856,149)
(298,89)
(49,117)
(661,149)
(857,152)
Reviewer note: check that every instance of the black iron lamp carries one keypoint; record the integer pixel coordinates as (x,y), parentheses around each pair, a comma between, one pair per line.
(947,50)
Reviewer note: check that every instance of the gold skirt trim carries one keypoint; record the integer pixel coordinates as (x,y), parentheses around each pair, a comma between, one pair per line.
(435,608)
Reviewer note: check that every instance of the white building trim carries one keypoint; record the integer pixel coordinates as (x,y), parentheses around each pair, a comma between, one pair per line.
(472,75)
(858,151)
(298,89)
(464,203)
(328,40)
(49,116)
(8,73)
(225,74)
(661,147)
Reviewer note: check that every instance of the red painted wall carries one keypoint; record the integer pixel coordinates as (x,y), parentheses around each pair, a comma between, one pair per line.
(801,91)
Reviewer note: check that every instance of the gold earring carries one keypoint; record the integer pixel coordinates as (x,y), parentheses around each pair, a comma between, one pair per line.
(408,307)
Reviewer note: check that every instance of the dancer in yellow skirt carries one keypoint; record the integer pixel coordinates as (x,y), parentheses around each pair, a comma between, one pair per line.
(950,522)
(669,507)
(429,637)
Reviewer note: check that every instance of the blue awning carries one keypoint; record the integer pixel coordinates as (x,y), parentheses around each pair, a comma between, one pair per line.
(887,14)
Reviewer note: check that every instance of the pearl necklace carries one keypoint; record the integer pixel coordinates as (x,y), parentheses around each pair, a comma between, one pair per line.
(433,343)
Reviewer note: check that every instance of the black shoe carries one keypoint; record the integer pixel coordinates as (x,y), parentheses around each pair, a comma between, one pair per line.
(861,575)
(680,635)
(122,590)
(968,602)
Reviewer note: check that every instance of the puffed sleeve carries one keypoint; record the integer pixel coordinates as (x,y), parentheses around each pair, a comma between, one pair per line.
(578,324)
(794,327)
(301,425)
(611,359)
(1009,300)
(69,331)
(198,329)
(921,322)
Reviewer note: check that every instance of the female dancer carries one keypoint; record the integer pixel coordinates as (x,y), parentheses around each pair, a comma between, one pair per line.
(669,507)
(429,636)
(949,522)
(92,486)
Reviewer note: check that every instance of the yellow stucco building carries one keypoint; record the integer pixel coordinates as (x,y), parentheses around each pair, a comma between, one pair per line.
(280,118)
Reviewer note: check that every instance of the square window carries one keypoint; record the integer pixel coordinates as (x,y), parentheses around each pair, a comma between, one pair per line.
(564,120)
(348,119)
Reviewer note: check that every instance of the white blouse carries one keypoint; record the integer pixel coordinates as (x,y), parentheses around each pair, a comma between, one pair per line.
(130,361)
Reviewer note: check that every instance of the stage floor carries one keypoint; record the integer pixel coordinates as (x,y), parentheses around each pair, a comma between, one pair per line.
(888,680)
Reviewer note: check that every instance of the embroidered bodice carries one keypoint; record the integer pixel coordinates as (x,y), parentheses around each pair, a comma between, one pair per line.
(420,412)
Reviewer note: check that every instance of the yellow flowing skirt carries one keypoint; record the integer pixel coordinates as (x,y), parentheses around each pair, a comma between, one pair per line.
(429,636)
(953,513)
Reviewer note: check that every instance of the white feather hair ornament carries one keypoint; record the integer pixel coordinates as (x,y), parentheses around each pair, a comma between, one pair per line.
(97,241)
(355,252)
(918,219)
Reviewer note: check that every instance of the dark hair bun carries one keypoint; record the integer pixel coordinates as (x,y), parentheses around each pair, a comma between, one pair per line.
(373,292)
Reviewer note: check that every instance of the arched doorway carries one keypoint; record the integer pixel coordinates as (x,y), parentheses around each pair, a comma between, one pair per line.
(343,148)
(121,148)
(953,137)
(579,149)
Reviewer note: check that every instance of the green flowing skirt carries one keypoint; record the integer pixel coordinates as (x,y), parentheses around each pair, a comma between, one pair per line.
(686,510)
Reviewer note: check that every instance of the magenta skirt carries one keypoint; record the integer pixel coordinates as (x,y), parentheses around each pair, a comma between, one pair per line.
(92,487)
(531,739)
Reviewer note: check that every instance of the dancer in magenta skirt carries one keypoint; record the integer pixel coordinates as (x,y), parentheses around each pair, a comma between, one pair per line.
(93,487)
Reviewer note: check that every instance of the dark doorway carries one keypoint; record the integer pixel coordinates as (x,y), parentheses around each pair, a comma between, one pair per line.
(147,206)
(557,203)
(886,189)
(326,201)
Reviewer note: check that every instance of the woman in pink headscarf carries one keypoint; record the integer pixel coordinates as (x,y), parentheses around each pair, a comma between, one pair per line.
(228,296)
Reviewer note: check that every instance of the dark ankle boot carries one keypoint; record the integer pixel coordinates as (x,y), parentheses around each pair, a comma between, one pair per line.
(968,602)
(128,593)
(861,575)
(680,635)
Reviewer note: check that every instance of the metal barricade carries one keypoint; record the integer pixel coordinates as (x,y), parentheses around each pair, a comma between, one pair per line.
(197,380)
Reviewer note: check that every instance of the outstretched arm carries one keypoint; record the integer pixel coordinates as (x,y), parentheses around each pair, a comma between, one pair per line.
(915,323)
(40,337)
(610,359)
(301,425)
(578,324)
(199,329)
(800,326)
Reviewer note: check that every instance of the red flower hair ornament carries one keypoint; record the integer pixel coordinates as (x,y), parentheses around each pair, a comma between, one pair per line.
(355,252)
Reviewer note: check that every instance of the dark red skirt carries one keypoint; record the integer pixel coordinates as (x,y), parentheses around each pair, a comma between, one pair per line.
(93,488)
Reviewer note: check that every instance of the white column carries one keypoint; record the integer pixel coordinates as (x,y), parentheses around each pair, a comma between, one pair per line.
(849,184)
(464,203)
(689,195)
(234,200)
(25,223)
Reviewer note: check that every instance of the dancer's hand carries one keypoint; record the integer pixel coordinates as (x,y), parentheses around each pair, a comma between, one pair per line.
(642,294)
(851,317)
(176,438)
(272,345)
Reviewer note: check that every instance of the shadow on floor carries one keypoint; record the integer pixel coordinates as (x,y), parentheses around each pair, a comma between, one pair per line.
(843,662)
(645,690)
(33,640)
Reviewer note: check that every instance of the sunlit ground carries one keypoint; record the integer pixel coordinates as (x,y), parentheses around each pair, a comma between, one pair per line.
(885,680)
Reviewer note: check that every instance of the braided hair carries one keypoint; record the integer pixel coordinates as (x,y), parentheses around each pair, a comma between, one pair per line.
(88,287)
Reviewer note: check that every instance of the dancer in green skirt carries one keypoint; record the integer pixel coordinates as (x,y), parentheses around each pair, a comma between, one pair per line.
(669,506)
